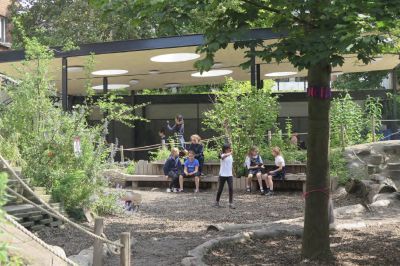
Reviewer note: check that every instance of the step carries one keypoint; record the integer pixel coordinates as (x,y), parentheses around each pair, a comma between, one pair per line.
(375,159)
(37,227)
(27,224)
(46,221)
(56,223)
(393,166)
(36,217)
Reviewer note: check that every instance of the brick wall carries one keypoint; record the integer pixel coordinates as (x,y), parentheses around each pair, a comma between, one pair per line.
(4,7)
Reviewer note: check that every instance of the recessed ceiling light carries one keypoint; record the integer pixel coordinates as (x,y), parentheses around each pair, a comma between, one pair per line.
(109,72)
(178,57)
(217,65)
(212,73)
(134,81)
(75,69)
(280,74)
(172,85)
(154,72)
(112,87)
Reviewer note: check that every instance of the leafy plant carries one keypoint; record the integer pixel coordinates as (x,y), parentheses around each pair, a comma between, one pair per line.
(107,203)
(347,122)
(130,170)
(244,115)
(338,166)
(211,154)
(373,110)
(159,155)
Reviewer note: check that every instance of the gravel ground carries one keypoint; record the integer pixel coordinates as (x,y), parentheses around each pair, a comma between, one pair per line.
(168,225)
(375,246)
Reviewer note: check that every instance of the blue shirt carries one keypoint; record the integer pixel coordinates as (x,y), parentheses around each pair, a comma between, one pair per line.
(191,166)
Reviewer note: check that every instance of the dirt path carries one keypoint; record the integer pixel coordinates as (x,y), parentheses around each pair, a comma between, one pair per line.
(168,225)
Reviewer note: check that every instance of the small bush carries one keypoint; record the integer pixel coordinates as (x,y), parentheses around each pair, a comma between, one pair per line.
(160,155)
(338,166)
(211,155)
(107,203)
(130,170)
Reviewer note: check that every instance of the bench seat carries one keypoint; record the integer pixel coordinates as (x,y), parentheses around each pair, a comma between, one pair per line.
(135,179)
(294,181)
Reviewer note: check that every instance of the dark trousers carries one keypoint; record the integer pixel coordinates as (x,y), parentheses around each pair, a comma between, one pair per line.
(229,180)
(175,180)
(201,163)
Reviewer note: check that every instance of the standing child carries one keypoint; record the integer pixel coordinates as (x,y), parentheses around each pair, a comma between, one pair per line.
(254,165)
(179,129)
(225,174)
(173,169)
(191,169)
(278,173)
(198,150)
(163,138)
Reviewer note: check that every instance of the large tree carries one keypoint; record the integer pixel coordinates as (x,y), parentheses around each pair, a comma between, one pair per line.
(315,36)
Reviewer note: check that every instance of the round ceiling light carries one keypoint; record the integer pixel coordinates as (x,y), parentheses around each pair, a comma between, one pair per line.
(171,58)
(75,69)
(112,87)
(280,74)
(212,73)
(134,81)
(172,85)
(109,72)
(154,72)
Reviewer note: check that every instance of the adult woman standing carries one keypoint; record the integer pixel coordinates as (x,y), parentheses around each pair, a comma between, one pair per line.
(179,129)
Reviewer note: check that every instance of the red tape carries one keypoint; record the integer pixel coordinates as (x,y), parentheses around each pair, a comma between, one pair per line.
(319,92)
(321,190)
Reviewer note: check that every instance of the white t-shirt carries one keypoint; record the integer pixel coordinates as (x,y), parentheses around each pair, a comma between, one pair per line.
(226,166)
(279,160)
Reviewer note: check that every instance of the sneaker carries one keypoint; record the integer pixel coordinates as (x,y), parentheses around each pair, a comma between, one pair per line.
(179,190)
(196,191)
(169,190)
(175,190)
(269,193)
(216,204)
(248,190)
(231,206)
(262,192)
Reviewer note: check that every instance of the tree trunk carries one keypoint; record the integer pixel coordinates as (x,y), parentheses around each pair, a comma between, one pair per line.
(316,223)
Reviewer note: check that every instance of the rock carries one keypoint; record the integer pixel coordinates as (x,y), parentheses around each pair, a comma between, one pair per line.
(378,177)
(155,189)
(81,260)
(376,159)
(363,152)
(59,250)
(350,210)
(393,166)
(380,203)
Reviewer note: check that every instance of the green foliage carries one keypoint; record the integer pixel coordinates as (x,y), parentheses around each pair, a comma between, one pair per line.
(42,135)
(211,154)
(360,81)
(373,110)
(159,155)
(338,166)
(107,203)
(130,170)
(348,116)
(243,114)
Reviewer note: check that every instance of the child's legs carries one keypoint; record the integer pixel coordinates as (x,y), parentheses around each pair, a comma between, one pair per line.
(258,175)
(201,163)
(221,184)
(181,182)
(270,183)
(197,182)
(249,178)
(230,186)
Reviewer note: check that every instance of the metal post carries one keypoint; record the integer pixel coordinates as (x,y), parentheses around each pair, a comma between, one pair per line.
(64,81)
(125,253)
(253,68)
(98,244)
(105,85)
(259,80)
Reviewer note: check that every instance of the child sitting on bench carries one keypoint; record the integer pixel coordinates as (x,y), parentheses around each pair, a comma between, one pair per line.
(191,169)
(254,165)
(278,173)
(198,149)
(173,169)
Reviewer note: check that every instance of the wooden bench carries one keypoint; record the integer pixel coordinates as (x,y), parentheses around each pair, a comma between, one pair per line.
(291,181)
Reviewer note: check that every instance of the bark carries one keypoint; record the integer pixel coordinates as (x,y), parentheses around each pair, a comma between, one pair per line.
(316,222)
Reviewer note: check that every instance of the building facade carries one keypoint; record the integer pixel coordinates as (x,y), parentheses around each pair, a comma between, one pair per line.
(5,25)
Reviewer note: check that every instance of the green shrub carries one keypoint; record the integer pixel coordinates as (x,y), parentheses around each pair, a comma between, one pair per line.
(130,170)
(160,155)
(211,154)
(338,166)
(108,203)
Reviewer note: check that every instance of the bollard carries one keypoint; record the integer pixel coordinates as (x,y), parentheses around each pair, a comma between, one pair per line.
(98,244)
(125,254)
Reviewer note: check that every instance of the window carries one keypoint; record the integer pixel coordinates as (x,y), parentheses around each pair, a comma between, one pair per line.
(3,29)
